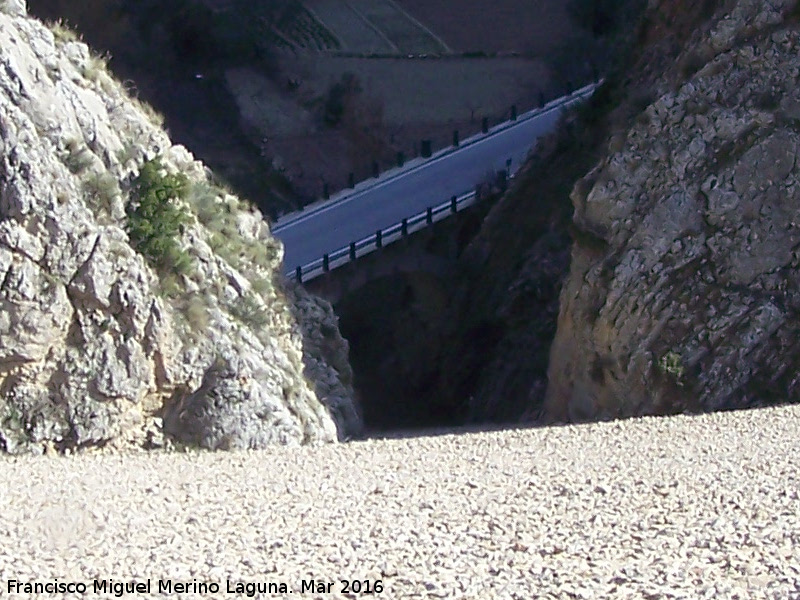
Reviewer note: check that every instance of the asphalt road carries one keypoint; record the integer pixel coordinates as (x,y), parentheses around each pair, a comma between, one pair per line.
(383,202)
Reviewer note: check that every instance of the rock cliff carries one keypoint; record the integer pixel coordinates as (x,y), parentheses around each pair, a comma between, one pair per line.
(140,302)
(684,291)
(674,285)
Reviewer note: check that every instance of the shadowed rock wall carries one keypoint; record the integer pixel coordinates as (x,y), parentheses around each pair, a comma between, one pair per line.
(684,291)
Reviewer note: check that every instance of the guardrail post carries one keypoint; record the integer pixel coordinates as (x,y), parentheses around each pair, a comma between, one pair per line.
(429,215)
(426,149)
(541,100)
(478,190)
(400,159)
(379,239)
(352,251)
(454,204)
(570,88)
(376,170)
(485,125)
(326,192)
(404,228)
(299,274)
(351,180)
(502,178)
(326,263)
(513,112)
(455,137)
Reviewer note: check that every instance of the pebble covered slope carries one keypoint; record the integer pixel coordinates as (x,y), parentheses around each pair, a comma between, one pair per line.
(678,507)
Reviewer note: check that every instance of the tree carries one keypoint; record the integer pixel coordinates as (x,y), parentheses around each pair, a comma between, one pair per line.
(341,97)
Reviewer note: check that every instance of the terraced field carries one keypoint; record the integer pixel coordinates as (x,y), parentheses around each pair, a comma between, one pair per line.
(299,29)
(375,27)
(304,29)
(354,33)
(406,33)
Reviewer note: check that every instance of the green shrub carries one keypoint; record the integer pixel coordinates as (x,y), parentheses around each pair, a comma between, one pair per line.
(179,261)
(216,241)
(156,216)
(170,286)
(261,285)
(672,364)
(220,218)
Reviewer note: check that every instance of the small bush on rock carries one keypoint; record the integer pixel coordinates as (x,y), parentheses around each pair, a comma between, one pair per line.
(63,32)
(77,157)
(218,209)
(247,310)
(195,310)
(94,68)
(128,152)
(155,117)
(672,364)
(100,190)
(156,215)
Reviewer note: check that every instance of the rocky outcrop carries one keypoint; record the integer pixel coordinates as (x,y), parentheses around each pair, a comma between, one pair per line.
(680,294)
(99,344)
(684,291)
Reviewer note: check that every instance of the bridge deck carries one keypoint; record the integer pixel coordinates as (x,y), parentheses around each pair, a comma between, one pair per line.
(384,202)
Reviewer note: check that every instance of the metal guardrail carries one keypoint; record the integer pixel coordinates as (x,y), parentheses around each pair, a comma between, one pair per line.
(418,221)
(382,237)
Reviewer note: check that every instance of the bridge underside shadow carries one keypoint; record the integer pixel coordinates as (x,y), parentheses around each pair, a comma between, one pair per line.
(391,305)
(407,256)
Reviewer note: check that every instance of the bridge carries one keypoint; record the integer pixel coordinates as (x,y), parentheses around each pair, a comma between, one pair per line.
(378,212)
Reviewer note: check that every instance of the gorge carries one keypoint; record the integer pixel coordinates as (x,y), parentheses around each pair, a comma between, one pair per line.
(644,262)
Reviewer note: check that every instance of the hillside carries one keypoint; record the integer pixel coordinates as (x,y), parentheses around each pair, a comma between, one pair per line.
(282,97)
(141,302)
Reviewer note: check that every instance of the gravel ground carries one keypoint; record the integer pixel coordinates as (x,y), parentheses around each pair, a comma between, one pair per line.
(684,507)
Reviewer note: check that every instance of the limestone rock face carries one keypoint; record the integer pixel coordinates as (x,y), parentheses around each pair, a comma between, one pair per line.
(684,288)
(97,346)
